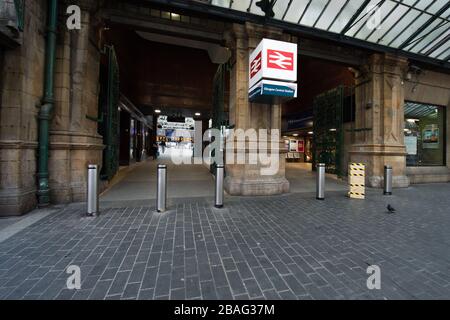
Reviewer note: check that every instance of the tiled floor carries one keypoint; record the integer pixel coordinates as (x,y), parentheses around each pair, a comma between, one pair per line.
(281,247)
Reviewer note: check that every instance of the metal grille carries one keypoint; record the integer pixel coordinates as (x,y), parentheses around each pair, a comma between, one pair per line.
(109,128)
(328,130)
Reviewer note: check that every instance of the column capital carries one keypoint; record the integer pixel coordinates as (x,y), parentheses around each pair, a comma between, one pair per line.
(248,35)
(236,37)
(387,63)
(255,32)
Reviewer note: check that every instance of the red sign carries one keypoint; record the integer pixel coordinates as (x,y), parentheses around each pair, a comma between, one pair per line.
(255,66)
(301,146)
(280,60)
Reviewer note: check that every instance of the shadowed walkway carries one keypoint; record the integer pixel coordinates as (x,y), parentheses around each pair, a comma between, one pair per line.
(303,180)
(138,186)
(184,181)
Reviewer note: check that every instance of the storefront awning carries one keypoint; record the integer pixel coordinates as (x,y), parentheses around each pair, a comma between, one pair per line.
(418,28)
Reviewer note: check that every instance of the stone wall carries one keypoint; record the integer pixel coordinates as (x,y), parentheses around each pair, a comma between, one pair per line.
(74,141)
(21,90)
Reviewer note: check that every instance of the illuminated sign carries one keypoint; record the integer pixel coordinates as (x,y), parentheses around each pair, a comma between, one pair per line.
(255,65)
(280,60)
(273,60)
(273,71)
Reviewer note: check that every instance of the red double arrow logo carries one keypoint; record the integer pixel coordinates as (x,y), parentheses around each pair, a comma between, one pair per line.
(280,60)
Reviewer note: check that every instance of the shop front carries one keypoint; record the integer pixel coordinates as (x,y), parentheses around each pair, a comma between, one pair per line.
(424,135)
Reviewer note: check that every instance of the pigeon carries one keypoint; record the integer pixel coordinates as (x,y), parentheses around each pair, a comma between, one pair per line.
(390,209)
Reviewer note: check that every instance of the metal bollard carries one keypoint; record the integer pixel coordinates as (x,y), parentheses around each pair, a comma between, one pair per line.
(92,190)
(161,190)
(320,187)
(219,186)
(387,180)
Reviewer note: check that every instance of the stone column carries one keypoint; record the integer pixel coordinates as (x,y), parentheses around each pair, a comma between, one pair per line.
(379,119)
(246,179)
(74,139)
(21,90)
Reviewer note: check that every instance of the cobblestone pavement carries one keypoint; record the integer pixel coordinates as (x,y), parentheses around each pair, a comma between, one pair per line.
(283,247)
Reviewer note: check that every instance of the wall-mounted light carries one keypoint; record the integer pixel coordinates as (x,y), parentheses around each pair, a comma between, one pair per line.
(333,130)
(157,111)
(310,132)
(198,114)
(295,134)
(413,72)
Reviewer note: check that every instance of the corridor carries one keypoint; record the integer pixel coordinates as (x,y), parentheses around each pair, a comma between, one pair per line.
(138,186)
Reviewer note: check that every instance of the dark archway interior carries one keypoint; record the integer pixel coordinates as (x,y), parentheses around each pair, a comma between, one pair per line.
(179,79)
(155,75)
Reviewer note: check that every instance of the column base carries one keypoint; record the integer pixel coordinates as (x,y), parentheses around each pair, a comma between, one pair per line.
(397,182)
(260,187)
(17,202)
(375,157)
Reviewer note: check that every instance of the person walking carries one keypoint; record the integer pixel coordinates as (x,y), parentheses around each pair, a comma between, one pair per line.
(154,151)
(163,147)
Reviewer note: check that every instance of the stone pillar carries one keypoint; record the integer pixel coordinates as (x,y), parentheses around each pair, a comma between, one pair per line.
(75,142)
(21,90)
(379,119)
(246,179)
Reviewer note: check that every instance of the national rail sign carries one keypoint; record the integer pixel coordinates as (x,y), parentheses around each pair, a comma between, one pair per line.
(265,90)
(273,60)
(273,71)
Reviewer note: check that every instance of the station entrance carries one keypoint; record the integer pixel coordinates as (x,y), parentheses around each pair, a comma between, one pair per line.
(156,86)
(156,92)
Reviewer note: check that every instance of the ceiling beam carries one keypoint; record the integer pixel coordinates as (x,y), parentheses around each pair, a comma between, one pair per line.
(424,26)
(447,58)
(398,21)
(438,45)
(354,17)
(370,13)
(338,14)
(242,17)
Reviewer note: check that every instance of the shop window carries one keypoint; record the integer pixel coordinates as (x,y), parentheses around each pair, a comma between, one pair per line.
(175,17)
(424,134)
